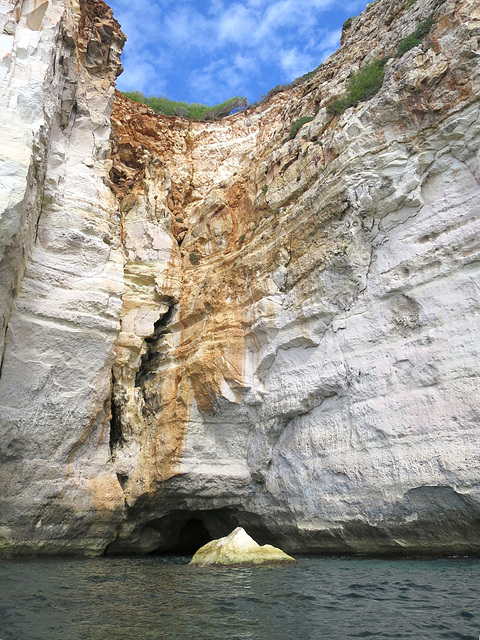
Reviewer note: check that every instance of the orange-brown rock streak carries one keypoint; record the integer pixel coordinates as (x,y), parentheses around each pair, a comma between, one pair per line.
(206,354)
(245,244)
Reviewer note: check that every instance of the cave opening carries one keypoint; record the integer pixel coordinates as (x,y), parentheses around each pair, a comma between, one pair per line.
(183,533)
(191,537)
(179,532)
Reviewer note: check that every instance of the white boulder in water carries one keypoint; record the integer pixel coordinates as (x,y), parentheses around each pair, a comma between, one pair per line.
(238,548)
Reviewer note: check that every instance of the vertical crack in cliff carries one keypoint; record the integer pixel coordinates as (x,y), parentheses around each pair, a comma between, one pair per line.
(154,352)
(116,431)
(2,357)
(37,222)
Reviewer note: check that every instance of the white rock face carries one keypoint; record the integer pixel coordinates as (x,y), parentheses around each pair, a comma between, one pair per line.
(256,331)
(62,278)
(375,421)
(345,417)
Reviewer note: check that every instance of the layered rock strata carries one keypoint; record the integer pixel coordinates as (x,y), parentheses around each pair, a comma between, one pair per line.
(217,325)
(61,275)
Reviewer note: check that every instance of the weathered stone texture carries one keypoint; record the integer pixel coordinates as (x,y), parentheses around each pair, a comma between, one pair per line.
(62,278)
(295,322)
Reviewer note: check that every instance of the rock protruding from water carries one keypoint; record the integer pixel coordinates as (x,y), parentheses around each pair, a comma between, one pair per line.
(238,548)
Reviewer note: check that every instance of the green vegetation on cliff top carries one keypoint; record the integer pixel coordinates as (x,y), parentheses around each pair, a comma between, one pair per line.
(194,111)
(198,111)
(361,87)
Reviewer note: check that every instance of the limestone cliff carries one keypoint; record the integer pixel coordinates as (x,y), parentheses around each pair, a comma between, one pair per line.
(61,275)
(210,325)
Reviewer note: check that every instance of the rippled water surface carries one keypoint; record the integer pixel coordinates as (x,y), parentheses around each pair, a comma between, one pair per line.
(155,597)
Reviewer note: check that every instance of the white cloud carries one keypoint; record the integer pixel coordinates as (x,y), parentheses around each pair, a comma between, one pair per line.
(131,16)
(142,75)
(237,25)
(245,63)
(354,7)
(217,82)
(211,48)
(330,39)
(187,29)
(295,63)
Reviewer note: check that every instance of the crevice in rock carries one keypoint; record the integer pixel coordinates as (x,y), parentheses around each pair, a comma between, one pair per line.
(154,352)
(2,357)
(37,222)
(122,479)
(116,432)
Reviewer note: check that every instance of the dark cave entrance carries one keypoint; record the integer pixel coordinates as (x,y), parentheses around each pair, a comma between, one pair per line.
(183,533)
(191,537)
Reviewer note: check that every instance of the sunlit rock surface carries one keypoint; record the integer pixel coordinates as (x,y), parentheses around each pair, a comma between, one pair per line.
(61,276)
(238,549)
(212,325)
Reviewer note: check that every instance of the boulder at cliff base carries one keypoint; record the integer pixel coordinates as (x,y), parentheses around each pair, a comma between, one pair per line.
(238,548)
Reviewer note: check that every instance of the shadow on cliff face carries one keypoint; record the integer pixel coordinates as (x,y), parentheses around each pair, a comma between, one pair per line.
(190,537)
(177,533)
(185,532)
(427,521)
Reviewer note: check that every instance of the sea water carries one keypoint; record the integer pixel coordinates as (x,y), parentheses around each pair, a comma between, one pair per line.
(155,597)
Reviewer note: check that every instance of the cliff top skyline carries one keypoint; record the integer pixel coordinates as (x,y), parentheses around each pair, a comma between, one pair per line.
(206,52)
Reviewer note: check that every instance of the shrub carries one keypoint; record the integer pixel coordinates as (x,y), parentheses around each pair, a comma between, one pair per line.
(424,27)
(410,2)
(180,111)
(194,111)
(415,38)
(347,23)
(362,86)
(241,239)
(296,126)
(234,105)
(366,83)
(306,76)
(339,106)
(265,189)
(194,258)
(406,44)
(383,61)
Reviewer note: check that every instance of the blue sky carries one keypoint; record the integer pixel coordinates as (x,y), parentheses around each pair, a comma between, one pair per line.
(210,50)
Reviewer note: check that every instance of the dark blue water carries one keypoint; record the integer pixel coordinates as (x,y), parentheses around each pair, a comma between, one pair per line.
(154,597)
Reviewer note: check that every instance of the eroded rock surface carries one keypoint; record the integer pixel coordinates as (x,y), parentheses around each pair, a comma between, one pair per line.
(238,548)
(219,326)
(61,275)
